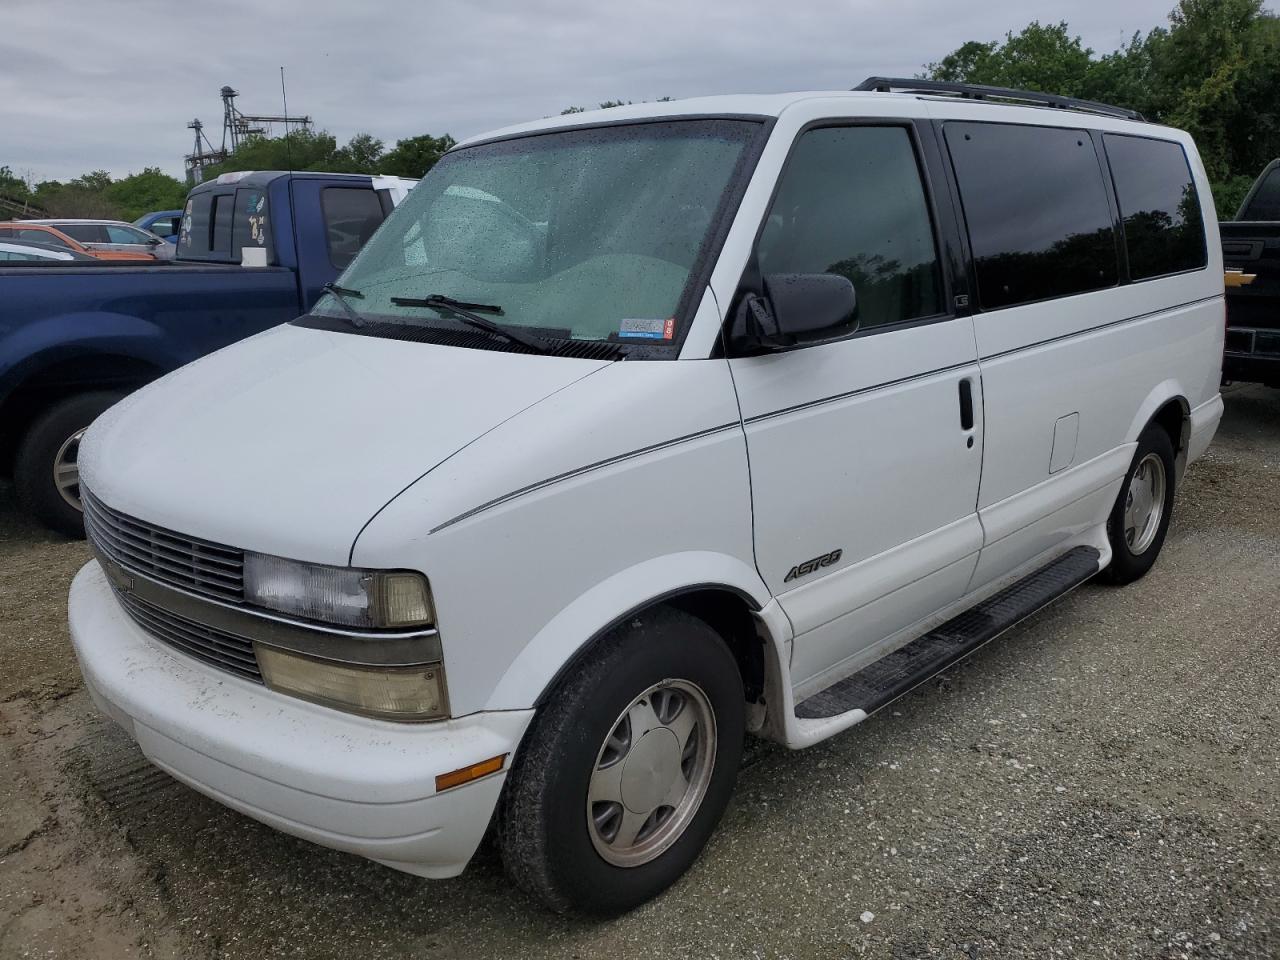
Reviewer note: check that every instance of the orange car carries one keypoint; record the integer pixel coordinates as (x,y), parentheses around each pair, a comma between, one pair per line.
(39,233)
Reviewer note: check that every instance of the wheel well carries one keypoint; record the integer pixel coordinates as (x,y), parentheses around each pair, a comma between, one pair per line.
(1175,419)
(730,614)
(61,379)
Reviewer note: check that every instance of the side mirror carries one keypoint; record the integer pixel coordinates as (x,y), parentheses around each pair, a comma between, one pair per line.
(797,308)
(154,241)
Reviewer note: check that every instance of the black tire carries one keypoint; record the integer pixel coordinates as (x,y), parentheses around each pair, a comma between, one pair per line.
(1127,566)
(33,467)
(542,830)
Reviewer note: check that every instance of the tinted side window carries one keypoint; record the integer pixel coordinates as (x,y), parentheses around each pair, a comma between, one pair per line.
(119,234)
(1265,204)
(193,241)
(88,233)
(1036,207)
(252,225)
(851,202)
(1163,229)
(222,204)
(41,236)
(351,214)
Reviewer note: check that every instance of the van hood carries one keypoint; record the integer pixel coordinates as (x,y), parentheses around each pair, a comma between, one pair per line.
(289,442)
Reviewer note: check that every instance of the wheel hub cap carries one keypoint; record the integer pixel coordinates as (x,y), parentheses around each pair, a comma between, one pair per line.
(650,771)
(66,470)
(1144,504)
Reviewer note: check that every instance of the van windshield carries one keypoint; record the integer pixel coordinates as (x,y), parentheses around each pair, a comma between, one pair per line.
(586,234)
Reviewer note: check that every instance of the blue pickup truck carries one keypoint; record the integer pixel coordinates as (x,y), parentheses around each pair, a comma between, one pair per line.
(254,250)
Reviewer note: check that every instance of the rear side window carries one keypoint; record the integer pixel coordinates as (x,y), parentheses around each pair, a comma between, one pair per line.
(193,240)
(1036,207)
(41,236)
(1163,228)
(89,233)
(222,204)
(252,225)
(1265,203)
(351,214)
(851,202)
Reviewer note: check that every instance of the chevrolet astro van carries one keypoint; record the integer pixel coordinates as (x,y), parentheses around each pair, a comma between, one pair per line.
(633,432)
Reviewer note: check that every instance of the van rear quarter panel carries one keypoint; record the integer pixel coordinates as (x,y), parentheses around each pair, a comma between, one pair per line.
(1109,355)
(1162,339)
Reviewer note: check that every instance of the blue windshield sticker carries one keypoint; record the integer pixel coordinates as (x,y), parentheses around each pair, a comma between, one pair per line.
(646,329)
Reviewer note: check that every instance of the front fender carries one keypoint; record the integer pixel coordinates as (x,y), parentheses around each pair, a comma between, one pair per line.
(38,344)
(556,645)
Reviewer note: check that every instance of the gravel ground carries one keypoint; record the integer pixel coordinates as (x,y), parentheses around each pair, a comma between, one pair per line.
(1102,782)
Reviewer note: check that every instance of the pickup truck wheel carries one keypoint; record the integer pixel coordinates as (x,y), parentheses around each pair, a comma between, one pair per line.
(1140,518)
(45,470)
(626,769)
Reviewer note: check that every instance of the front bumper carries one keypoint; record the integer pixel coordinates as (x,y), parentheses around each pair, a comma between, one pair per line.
(355,784)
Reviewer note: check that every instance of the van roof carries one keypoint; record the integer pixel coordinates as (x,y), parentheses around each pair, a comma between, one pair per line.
(766,105)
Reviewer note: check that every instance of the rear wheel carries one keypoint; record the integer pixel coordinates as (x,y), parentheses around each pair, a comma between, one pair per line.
(1140,518)
(46,469)
(626,768)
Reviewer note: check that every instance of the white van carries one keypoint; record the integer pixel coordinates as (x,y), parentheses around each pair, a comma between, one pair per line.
(632,432)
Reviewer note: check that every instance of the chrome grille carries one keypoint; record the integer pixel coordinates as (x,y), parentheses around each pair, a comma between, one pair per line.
(191,564)
(223,650)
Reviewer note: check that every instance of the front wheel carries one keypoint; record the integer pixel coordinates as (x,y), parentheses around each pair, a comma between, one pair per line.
(1140,518)
(46,471)
(626,769)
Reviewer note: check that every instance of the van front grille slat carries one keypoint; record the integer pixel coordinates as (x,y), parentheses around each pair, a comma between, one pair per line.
(216,647)
(196,566)
(188,563)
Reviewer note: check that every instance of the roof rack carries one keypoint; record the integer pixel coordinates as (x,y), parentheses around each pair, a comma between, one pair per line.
(978,91)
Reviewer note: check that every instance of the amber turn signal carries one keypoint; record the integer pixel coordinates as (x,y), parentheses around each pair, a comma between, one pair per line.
(475,771)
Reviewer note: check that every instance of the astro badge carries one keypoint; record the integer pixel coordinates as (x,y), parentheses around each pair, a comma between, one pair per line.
(647,329)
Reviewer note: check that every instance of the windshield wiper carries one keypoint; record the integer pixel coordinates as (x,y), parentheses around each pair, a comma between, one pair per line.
(341,294)
(464,311)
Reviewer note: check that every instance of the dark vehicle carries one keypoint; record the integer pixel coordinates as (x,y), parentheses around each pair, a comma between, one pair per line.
(254,250)
(1251,245)
(163,223)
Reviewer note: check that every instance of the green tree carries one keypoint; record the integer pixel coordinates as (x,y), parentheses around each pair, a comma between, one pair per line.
(140,193)
(362,154)
(1045,58)
(1213,71)
(296,150)
(13,186)
(414,156)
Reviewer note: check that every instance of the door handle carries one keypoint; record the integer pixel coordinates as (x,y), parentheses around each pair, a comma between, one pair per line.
(966,404)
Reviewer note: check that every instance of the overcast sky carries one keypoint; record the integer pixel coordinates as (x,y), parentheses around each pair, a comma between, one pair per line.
(87,84)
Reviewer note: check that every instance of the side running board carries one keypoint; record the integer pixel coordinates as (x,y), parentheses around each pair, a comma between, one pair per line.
(891,676)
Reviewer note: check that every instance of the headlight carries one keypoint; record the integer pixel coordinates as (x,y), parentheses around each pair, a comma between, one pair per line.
(338,595)
(389,693)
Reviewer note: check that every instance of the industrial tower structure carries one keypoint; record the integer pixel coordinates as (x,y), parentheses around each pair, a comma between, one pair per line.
(237,127)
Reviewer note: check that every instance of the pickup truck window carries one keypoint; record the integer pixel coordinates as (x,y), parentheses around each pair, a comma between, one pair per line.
(1004,170)
(851,202)
(1265,204)
(251,227)
(588,234)
(221,237)
(193,241)
(1163,229)
(351,214)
